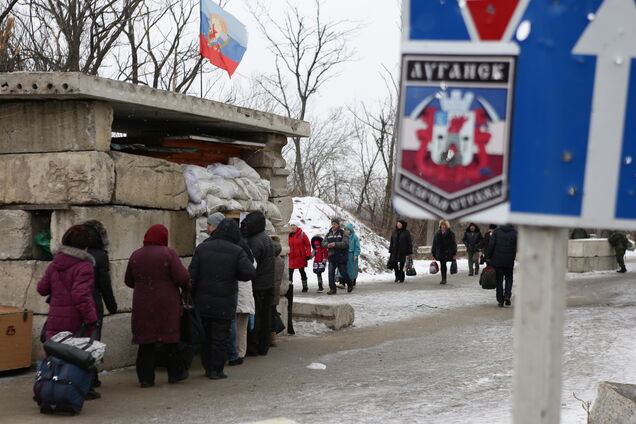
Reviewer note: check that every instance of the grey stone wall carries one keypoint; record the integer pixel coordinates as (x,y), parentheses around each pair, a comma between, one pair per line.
(37,127)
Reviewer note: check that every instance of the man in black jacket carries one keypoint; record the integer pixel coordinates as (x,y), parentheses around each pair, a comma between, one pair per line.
(337,244)
(253,228)
(217,265)
(502,251)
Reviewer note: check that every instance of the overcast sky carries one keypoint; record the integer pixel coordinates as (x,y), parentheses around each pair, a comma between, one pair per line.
(376,43)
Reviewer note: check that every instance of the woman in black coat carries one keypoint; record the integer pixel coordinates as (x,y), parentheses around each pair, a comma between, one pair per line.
(98,246)
(444,247)
(400,248)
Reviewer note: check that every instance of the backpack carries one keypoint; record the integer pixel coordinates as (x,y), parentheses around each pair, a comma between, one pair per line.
(61,387)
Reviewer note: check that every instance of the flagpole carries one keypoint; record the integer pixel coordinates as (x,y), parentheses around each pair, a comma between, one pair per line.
(201,77)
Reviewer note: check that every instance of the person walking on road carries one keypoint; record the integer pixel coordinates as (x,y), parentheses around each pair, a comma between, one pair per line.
(253,228)
(217,265)
(502,251)
(486,243)
(155,273)
(400,248)
(299,253)
(473,241)
(354,253)
(444,247)
(337,244)
(620,243)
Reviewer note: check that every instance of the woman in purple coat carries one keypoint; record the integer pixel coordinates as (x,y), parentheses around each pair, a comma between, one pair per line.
(69,282)
(156,274)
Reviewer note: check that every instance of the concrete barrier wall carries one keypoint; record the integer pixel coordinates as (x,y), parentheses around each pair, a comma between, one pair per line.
(54,126)
(126,227)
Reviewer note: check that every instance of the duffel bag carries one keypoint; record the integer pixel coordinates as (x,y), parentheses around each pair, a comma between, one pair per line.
(61,387)
(488,278)
(79,351)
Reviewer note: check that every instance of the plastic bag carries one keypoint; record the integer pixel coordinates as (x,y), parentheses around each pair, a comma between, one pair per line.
(433,268)
(223,171)
(43,241)
(245,170)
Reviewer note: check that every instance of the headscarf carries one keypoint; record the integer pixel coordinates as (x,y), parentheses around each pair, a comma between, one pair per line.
(156,234)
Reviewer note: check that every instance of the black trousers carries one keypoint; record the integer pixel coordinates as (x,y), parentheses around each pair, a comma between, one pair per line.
(504,272)
(399,268)
(442,267)
(146,362)
(303,274)
(216,348)
(259,338)
(344,277)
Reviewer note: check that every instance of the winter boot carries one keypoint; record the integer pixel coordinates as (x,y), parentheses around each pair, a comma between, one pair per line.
(304,286)
(320,289)
(622,270)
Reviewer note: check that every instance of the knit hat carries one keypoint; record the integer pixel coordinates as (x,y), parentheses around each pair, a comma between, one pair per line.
(336,220)
(215,219)
(294,222)
(492,226)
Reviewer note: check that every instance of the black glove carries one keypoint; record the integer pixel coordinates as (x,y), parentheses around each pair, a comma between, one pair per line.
(308,257)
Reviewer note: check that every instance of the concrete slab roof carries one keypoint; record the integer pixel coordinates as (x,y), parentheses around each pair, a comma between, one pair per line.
(140,108)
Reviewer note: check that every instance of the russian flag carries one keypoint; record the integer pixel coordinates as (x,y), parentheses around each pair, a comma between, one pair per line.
(222,37)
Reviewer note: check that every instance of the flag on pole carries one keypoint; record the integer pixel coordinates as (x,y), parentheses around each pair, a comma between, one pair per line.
(222,37)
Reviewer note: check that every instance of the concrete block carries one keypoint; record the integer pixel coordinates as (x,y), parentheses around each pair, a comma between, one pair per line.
(334,316)
(126,227)
(117,334)
(615,403)
(265,159)
(50,178)
(596,263)
(285,205)
(148,182)
(279,187)
(54,126)
(18,285)
(424,252)
(585,248)
(17,234)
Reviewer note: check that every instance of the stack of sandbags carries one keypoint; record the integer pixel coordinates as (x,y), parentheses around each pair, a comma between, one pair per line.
(232,187)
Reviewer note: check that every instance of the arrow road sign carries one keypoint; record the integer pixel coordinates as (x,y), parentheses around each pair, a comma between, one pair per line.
(611,37)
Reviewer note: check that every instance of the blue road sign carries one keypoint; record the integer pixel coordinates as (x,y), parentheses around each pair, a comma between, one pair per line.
(573,141)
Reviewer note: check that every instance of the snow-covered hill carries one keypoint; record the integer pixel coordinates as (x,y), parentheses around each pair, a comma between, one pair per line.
(315,216)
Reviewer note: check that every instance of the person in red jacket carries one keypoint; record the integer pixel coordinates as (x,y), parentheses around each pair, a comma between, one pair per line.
(299,253)
(320,259)
(69,281)
(156,273)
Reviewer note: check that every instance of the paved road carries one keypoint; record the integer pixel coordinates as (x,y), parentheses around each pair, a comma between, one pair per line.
(451,366)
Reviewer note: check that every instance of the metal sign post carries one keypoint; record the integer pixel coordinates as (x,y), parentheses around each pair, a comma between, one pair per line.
(524,112)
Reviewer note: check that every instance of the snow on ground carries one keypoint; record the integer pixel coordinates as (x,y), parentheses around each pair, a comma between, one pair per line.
(598,346)
(315,216)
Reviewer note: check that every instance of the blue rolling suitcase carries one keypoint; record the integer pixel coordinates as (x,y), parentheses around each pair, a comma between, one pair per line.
(61,387)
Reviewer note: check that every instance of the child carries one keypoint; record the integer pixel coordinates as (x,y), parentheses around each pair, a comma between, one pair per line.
(320,259)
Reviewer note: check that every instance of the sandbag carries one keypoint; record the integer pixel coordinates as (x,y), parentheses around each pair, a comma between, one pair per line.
(213,204)
(197,209)
(245,170)
(223,171)
(191,176)
(273,213)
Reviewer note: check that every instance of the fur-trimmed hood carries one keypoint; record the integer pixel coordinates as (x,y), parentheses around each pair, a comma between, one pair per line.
(70,256)
(98,234)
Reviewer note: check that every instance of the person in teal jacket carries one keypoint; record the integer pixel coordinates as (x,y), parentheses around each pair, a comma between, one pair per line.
(354,253)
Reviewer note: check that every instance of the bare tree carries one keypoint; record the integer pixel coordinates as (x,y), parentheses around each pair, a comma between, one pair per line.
(307,52)
(381,124)
(73,35)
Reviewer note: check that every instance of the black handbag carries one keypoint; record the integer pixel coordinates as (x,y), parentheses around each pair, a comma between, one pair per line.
(391,264)
(277,323)
(79,357)
(192,331)
(453,267)
(410,269)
